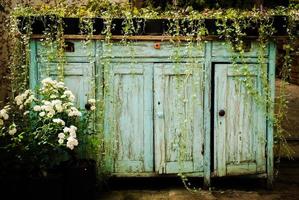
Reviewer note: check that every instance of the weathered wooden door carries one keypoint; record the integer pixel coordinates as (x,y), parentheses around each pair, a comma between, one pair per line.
(239,122)
(128,117)
(78,77)
(178,118)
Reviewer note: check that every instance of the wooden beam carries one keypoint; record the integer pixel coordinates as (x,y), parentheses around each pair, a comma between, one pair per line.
(147,37)
(270,131)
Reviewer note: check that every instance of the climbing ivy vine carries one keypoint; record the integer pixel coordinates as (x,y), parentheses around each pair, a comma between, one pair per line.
(186,28)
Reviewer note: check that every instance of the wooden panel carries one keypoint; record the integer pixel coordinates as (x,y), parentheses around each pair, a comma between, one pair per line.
(207,114)
(78,78)
(128,120)
(270,137)
(147,49)
(240,134)
(223,49)
(178,117)
(79,49)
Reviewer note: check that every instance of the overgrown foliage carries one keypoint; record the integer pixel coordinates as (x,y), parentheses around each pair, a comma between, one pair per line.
(186,25)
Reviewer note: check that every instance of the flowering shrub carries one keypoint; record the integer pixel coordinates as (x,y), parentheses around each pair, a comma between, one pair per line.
(39,128)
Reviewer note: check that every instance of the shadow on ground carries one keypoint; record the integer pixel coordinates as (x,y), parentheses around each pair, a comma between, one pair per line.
(286,187)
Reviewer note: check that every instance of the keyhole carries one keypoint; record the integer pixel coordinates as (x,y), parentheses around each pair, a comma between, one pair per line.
(159,103)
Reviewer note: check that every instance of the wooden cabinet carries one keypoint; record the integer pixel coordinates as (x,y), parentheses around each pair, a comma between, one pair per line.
(164,115)
(240,124)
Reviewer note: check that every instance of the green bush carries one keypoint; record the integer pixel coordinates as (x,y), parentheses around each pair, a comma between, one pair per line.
(39,128)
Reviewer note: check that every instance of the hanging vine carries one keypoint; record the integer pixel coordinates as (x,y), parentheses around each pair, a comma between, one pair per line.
(187,30)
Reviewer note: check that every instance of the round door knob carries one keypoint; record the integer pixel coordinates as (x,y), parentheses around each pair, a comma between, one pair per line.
(221,113)
(88,106)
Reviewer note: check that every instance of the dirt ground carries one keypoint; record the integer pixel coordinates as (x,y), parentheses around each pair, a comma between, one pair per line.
(286,185)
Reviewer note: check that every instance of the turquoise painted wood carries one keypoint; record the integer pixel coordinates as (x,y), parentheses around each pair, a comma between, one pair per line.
(79,71)
(240,132)
(158,114)
(270,129)
(208,159)
(178,117)
(128,120)
(77,77)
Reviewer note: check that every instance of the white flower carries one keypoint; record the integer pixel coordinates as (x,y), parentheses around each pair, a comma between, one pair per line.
(5,117)
(42,114)
(19,99)
(26,92)
(61,135)
(37,108)
(29,100)
(71,142)
(72,131)
(25,113)
(92,101)
(46,102)
(59,108)
(53,96)
(60,141)
(92,108)
(69,94)
(12,129)
(58,105)
(1,122)
(60,84)
(74,112)
(21,107)
(59,121)
(47,81)
(73,127)
(3,114)
(48,108)
(66,129)
(50,115)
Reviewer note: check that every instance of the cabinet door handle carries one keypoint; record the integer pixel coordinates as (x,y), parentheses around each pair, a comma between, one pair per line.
(87,106)
(221,113)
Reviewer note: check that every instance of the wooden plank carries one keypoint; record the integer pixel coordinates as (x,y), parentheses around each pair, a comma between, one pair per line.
(79,48)
(207,114)
(33,74)
(148,119)
(143,49)
(129,117)
(271,77)
(220,122)
(222,59)
(178,117)
(160,149)
(241,169)
(223,49)
(148,37)
(154,174)
(150,60)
